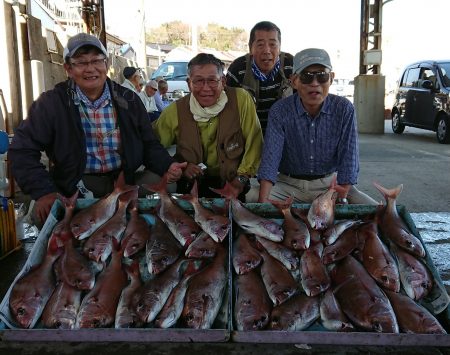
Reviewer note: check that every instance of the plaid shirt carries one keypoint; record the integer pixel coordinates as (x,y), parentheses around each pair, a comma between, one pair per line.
(99,121)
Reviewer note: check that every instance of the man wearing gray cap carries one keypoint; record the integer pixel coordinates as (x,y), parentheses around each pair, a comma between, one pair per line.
(91,129)
(310,137)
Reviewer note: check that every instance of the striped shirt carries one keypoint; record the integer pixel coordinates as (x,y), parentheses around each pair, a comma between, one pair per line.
(99,121)
(269,90)
(297,144)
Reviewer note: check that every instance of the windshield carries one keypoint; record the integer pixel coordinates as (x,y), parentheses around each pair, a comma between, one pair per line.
(445,72)
(171,71)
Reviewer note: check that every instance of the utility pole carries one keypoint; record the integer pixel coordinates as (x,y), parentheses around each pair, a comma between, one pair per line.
(369,84)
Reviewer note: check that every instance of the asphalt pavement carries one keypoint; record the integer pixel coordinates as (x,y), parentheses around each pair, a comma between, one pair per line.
(414,159)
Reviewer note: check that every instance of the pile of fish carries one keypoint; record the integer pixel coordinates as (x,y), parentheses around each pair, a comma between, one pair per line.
(107,266)
(359,274)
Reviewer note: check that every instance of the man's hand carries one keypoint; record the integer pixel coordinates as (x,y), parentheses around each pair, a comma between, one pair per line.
(192,171)
(43,206)
(175,171)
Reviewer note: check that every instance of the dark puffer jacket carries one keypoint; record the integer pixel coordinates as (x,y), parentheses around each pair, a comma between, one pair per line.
(54,126)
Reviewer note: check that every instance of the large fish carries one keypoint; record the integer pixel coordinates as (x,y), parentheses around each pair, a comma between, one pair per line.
(151,297)
(297,313)
(98,246)
(245,256)
(89,219)
(360,298)
(331,315)
(412,317)
(252,306)
(182,226)
(202,247)
(162,249)
(315,278)
(347,243)
(392,225)
(332,233)
(98,308)
(279,282)
(249,221)
(205,293)
(73,268)
(377,259)
(31,292)
(287,256)
(321,211)
(137,232)
(126,316)
(215,225)
(296,233)
(62,307)
(173,307)
(415,277)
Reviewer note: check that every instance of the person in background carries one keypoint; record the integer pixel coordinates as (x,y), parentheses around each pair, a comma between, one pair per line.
(133,79)
(310,137)
(91,129)
(265,71)
(148,96)
(161,95)
(214,127)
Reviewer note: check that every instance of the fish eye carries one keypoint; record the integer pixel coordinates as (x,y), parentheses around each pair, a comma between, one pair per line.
(21,311)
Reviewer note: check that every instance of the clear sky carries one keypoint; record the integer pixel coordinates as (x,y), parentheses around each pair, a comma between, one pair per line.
(412,30)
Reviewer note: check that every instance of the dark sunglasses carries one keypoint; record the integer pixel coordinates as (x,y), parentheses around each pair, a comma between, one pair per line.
(307,77)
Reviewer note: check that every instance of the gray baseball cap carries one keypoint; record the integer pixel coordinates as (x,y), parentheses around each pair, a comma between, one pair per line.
(311,56)
(81,40)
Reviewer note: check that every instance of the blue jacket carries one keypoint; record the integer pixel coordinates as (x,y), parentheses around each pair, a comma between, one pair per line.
(54,126)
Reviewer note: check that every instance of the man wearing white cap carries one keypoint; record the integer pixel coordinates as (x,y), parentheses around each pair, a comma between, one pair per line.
(310,137)
(148,97)
(91,129)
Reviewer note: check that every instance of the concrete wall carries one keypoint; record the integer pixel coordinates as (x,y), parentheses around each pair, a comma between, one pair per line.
(369,103)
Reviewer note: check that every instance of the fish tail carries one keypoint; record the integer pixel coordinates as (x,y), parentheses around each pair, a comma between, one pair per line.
(68,202)
(228,191)
(116,247)
(389,193)
(161,186)
(283,205)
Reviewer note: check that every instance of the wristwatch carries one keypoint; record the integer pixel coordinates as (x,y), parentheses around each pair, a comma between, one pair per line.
(342,200)
(242,179)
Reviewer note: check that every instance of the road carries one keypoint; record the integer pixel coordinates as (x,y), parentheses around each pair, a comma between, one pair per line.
(414,159)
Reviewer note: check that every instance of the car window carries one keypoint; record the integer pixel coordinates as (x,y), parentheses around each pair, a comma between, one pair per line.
(427,74)
(411,77)
(171,71)
(445,72)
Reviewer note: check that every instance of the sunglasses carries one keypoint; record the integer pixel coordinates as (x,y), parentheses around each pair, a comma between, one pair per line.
(307,77)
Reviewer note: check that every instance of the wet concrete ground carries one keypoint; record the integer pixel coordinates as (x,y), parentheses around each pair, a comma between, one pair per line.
(414,159)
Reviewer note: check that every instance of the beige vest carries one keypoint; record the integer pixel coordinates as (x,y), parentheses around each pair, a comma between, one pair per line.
(230,140)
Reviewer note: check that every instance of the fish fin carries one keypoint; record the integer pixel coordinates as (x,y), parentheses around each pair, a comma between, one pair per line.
(389,193)
(160,187)
(228,191)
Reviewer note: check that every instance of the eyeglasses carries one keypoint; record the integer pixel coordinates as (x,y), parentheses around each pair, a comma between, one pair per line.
(96,63)
(199,83)
(307,77)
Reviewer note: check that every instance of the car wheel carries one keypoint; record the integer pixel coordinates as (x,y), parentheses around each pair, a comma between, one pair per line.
(397,126)
(443,130)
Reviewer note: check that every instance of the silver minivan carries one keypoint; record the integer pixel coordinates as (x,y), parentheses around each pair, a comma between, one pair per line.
(422,99)
(175,73)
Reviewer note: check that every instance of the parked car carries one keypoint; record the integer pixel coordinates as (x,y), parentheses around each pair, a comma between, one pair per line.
(342,87)
(422,99)
(175,73)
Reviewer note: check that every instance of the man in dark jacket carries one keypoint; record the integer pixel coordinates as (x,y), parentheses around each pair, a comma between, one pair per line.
(91,129)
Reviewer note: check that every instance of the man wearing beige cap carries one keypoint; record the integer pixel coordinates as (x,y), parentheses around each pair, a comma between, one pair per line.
(310,137)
